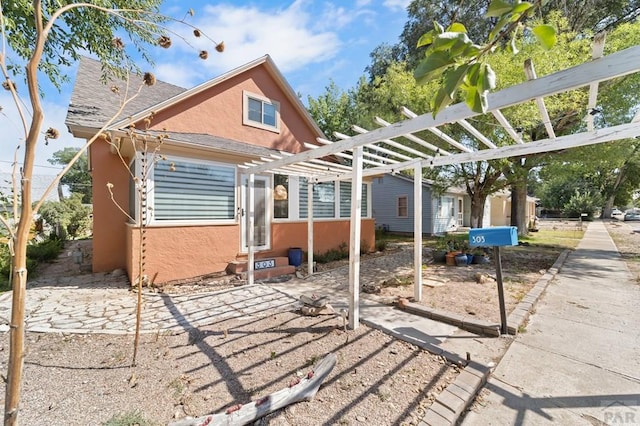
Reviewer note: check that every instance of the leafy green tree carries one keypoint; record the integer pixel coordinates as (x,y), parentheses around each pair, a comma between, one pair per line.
(77,178)
(334,110)
(68,214)
(97,28)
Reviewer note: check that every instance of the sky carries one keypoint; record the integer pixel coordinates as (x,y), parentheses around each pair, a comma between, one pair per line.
(311,42)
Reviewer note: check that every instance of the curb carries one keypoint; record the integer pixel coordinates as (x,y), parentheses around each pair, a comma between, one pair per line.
(456,398)
(452,402)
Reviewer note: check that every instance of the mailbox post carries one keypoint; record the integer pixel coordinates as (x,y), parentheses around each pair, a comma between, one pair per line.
(496,237)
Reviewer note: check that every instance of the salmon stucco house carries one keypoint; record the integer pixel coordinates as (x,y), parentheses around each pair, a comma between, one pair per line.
(195,191)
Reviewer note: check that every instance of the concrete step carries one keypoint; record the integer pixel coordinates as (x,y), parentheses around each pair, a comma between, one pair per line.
(239,266)
(263,274)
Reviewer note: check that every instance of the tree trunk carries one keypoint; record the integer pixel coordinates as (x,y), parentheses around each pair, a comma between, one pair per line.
(304,390)
(519,205)
(477,210)
(16,334)
(608,206)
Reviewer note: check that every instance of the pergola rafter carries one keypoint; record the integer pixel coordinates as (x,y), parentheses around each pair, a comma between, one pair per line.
(378,140)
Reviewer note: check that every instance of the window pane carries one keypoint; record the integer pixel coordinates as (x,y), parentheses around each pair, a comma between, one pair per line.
(345,199)
(403,204)
(133,190)
(324,199)
(269,114)
(193,191)
(255,110)
(303,197)
(281,197)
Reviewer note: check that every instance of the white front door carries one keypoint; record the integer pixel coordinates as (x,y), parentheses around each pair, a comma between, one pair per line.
(262,224)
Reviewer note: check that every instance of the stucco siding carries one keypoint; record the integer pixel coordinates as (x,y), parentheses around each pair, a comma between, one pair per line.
(326,234)
(219,111)
(109,222)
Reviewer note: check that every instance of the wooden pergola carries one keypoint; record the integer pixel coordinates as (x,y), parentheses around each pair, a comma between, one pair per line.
(369,153)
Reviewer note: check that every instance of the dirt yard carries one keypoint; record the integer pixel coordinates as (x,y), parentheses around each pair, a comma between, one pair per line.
(86,379)
(472,289)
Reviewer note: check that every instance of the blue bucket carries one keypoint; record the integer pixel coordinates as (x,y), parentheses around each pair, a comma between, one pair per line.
(295,256)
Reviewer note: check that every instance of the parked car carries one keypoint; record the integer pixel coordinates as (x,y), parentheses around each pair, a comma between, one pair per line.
(617,214)
(632,216)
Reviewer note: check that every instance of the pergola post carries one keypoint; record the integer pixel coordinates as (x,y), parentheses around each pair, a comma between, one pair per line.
(310,227)
(251,219)
(354,246)
(417,232)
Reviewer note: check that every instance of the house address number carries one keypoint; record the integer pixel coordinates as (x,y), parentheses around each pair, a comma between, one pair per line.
(264,264)
(477,239)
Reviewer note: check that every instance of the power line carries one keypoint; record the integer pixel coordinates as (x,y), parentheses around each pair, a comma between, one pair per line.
(35,165)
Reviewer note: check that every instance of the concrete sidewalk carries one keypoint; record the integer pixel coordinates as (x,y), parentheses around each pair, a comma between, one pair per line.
(578,363)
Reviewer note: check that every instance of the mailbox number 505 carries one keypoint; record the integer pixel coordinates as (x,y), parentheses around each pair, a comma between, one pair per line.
(477,239)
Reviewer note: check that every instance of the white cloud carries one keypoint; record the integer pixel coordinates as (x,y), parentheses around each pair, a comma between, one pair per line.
(396,4)
(287,34)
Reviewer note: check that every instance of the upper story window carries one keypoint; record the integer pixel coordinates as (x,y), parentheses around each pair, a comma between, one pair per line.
(261,112)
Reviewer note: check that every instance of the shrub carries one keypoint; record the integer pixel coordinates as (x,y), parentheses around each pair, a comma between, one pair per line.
(582,203)
(69,214)
(45,251)
(331,255)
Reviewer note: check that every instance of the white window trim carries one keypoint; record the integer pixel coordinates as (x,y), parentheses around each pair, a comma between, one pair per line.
(294,203)
(245,112)
(151,221)
(405,196)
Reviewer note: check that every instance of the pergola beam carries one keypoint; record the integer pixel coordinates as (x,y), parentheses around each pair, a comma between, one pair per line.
(530,72)
(394,144)
(598,49)
(371,147)
(439,133)
(608,134)
(413,138)
(615,65)
(475,132)
(507,126)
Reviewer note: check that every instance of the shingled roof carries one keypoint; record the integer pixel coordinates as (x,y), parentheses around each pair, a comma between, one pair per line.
(215,143)
(93,102)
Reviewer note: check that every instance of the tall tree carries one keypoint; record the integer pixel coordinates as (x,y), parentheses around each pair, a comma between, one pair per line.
(77,178)
(43,37)
(334,110)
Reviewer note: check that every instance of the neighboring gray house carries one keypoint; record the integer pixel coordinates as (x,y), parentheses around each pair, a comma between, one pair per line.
(393,206)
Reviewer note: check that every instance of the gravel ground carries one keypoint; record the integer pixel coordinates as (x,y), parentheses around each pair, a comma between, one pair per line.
(87,379)
(378,380)
(626,236)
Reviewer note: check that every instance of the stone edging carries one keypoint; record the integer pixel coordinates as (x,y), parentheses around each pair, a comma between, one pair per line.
(454,400)
(458,396)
